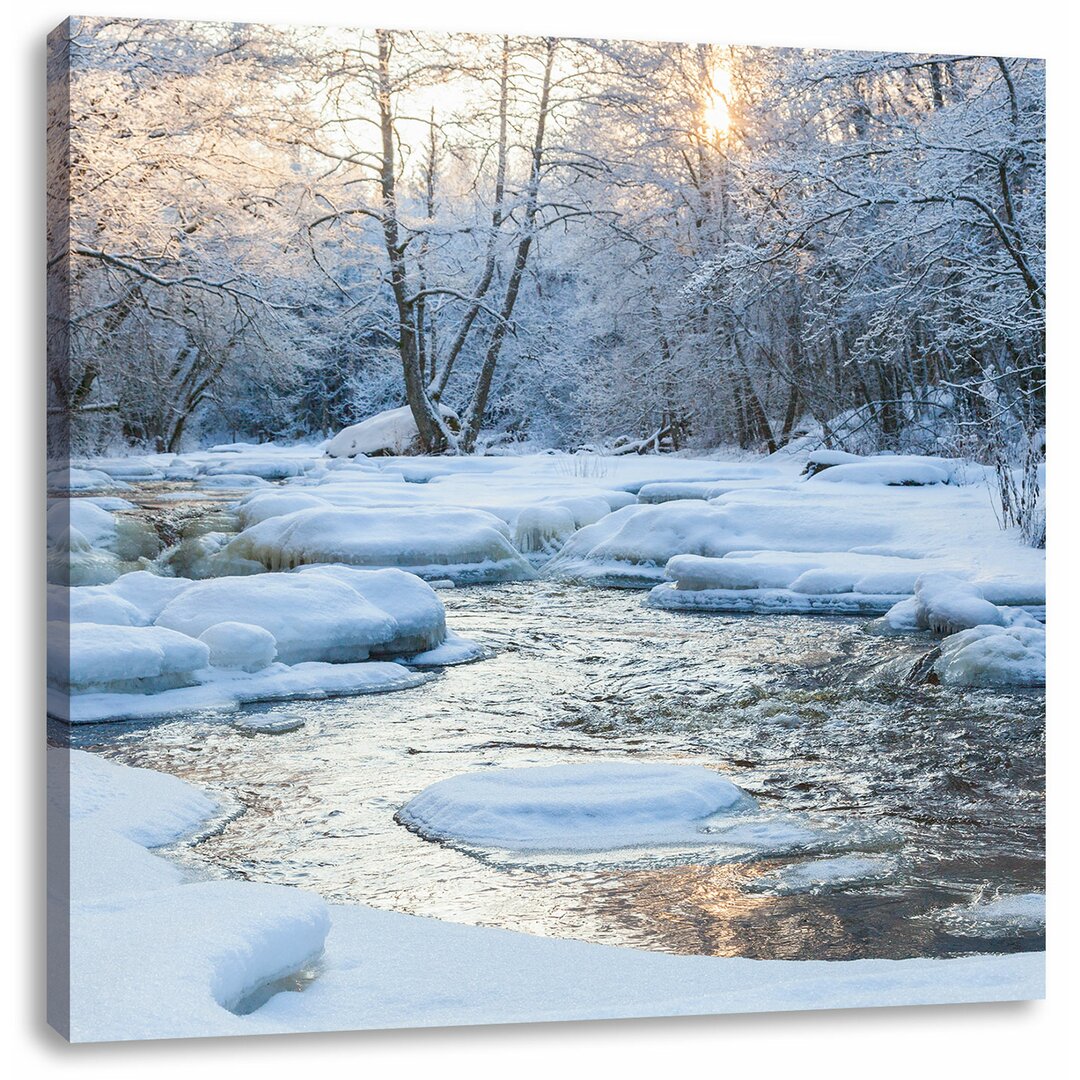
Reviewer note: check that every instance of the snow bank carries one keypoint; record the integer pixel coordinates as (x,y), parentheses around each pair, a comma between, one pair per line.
(591,807)
(994,656)
(310,617)
(390,432)
(464,545)
(150,953)
(155,956)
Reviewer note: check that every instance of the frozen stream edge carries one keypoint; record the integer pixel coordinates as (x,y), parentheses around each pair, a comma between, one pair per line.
(190,949)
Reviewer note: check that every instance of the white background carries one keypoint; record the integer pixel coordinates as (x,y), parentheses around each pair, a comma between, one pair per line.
(1024,1040)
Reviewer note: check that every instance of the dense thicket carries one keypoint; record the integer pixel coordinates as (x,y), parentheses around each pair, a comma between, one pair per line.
(278,232)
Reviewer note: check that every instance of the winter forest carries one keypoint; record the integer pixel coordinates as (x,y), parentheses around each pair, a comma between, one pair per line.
(277,232)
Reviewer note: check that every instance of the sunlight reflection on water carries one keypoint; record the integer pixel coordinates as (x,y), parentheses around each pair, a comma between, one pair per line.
(949,783)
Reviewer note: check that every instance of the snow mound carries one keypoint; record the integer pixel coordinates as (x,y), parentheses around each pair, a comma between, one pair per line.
(591,807)
(92,604)
(895,472)
(390,432)
(994,656)
(90,657)
(268,504)
(464,545)
(418,613)
(311,617)
(239,646)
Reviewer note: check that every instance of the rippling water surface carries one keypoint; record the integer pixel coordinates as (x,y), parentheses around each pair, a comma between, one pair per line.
(945,785)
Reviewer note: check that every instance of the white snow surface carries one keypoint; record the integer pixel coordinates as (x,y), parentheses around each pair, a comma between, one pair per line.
(155,955)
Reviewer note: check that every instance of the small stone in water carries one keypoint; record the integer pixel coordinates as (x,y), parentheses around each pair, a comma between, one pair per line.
(268,723)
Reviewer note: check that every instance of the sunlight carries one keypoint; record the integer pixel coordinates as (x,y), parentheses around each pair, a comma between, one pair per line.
(717,114)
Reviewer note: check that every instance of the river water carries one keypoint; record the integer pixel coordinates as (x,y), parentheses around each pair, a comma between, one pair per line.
(944,787)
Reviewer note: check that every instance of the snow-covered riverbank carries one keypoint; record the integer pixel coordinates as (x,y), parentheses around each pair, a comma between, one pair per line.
(315,588)
(194,953)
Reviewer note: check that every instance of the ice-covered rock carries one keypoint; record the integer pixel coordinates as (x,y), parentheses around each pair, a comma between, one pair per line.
(207,555)
(540,531)
(311,617)
(946,604)
(994,656)
(454,650)
(592,807)
(270,723)
(73,560)
(239,646)
(390,432)
(95,658)
(464,545)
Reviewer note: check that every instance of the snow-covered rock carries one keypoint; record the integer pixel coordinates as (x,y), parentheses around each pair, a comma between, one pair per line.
(897,472)
(95,658)
(268,504)
(946,604)
(994,656)
(1015,913)
(464,545)
(216,690)
(311,617)
(239,646)
(390,432)
(590,807)
(418,613)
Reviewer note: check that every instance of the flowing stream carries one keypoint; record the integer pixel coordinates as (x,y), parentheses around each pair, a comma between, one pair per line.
(941,789)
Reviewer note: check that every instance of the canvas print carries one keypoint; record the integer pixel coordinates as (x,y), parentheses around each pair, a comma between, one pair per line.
(539,528)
